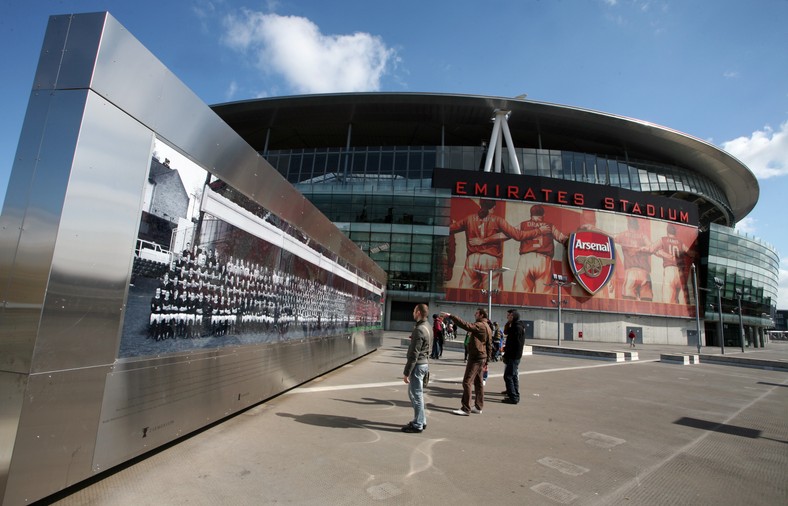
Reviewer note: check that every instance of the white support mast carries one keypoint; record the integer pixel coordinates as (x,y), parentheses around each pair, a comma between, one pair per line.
(496,144)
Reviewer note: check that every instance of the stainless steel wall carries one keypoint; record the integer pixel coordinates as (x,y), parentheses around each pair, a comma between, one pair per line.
(69,408)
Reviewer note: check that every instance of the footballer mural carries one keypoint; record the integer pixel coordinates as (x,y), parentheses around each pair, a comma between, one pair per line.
(620,263)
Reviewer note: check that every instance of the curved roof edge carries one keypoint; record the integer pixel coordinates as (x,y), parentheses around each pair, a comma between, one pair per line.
(734,178)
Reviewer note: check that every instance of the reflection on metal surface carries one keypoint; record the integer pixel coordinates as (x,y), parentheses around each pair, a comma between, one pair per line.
(97,364)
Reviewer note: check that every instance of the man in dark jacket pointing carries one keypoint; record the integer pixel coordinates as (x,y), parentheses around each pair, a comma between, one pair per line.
(479,351)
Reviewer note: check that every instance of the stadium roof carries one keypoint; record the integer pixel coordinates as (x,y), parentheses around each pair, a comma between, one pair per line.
(416,119)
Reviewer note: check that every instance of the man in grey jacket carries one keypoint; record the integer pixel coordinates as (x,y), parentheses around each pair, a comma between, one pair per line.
(417,367)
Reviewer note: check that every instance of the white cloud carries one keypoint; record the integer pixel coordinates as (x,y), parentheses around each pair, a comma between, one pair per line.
(311,62)
(765,152)
(747,225)
(232,89)
(730,74)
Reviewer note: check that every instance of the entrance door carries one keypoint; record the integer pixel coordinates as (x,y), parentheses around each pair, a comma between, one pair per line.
(692,337)
(529,329)
(569,332)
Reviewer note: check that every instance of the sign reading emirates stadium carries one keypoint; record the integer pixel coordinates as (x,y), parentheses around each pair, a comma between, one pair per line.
(592,258)
(544,190)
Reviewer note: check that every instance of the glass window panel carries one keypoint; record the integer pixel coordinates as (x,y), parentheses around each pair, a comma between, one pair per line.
(359,162)
(414,165)
(429,159)
(399,266)
(468,158)
(422,239)
(399,256)
(401,163)
(529,163)
(400,247)
(591,170)
(331,165)
(387,162)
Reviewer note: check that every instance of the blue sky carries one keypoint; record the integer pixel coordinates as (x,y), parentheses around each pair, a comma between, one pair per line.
(716,70)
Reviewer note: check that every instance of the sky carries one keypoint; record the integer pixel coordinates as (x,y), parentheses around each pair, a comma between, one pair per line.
(713,69)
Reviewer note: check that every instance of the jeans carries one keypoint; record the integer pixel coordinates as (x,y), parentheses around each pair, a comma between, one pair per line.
(511,377)
(416,394)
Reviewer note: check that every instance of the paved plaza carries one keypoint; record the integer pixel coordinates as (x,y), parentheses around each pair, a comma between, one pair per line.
(587,432)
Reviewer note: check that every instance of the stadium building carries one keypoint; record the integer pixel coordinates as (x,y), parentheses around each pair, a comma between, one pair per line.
(473,200)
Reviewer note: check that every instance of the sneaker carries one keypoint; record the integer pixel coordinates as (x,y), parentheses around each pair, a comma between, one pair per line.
(509,400)
(476,410)
(411,429)
(461,412)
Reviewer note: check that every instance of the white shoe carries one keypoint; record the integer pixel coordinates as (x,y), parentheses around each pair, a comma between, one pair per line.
(476,411)
(461,412)
(484,383)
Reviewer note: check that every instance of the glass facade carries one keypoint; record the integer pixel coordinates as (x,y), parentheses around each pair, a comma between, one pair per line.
(748,269)
(409,167)
(401,231)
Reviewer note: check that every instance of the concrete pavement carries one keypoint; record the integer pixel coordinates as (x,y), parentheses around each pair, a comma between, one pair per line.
(587,432)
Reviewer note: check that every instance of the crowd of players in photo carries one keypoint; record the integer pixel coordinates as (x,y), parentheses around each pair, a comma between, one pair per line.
(204,294)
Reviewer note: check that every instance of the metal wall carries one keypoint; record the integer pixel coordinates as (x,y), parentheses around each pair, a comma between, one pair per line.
(69,408)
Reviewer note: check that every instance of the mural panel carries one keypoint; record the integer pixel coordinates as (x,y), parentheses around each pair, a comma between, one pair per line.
(521,245)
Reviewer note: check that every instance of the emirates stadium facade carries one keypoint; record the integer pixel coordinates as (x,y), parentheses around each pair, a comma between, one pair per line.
(472,201)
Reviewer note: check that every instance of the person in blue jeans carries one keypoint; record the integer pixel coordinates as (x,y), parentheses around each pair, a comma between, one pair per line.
(512,354)
(417,367)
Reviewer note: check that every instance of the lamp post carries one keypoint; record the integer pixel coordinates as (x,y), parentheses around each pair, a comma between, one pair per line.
(697,304)
(719,284)
(560,281)
(741,323)
(490,290)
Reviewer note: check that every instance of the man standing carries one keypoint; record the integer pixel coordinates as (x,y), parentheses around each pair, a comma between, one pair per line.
(437,335)
(512,354)
(479,348)
(417,367)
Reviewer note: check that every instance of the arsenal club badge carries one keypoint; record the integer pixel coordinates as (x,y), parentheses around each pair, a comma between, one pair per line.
(592,257)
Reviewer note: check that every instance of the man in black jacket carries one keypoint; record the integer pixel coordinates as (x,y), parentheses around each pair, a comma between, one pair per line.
(417,367)
(513,352)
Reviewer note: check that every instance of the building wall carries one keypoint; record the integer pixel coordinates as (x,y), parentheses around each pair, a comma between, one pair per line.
(596,327)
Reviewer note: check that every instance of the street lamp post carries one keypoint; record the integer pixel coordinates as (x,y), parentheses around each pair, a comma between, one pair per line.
(490,290)
(719,284)
(560,281)
(697,304)
(741,323)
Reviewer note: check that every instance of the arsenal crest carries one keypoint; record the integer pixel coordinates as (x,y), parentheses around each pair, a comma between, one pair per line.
(592,257)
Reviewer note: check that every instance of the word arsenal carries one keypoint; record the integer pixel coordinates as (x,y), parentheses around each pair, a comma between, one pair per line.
(593,246)
(550,196)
